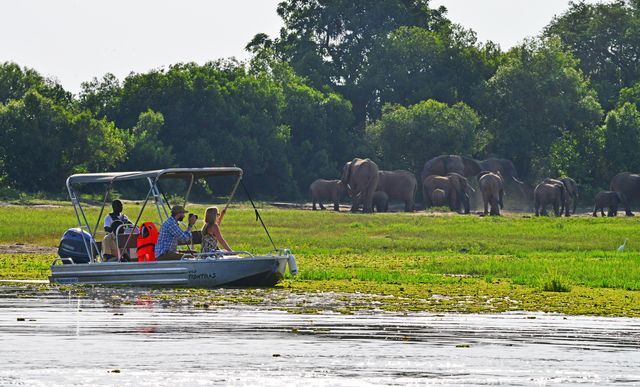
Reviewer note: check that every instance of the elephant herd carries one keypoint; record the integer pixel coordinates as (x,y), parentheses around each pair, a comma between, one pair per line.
(445,181)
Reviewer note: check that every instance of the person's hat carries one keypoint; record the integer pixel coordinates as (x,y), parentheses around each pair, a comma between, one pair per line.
(177,209)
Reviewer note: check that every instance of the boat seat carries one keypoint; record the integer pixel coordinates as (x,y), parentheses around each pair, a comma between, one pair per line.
(133,241)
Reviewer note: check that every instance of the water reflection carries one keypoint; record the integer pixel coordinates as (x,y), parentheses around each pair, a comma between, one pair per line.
(81,337)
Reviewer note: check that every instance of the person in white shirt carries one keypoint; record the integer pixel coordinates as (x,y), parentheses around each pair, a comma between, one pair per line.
(117,214)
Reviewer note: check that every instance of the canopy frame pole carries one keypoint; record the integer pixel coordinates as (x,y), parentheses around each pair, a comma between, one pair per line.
(77,208)
(186,196)
(104,204)
(157,197)
(233,194)
(258,217)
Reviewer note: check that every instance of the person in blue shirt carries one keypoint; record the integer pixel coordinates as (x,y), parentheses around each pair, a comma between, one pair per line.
(170,235)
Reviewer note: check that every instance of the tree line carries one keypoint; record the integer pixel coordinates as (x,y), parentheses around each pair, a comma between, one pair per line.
(393,80)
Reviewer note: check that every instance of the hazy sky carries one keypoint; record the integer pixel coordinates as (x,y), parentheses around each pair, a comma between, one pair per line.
(75,40)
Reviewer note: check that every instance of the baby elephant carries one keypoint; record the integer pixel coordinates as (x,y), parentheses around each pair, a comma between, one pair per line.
(610,199)
(380,201)
(327,190)
(439,197)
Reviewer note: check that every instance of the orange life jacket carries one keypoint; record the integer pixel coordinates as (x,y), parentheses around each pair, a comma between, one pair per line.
(147,240)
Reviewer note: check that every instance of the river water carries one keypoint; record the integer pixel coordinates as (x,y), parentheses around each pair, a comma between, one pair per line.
(55,337)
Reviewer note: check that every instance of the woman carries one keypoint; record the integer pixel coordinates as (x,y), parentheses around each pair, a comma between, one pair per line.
(211,234)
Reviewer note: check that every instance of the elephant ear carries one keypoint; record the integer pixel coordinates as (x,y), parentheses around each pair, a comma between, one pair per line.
(471,166)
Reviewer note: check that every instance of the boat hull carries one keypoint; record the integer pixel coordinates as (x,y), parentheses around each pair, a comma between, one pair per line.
(259,271)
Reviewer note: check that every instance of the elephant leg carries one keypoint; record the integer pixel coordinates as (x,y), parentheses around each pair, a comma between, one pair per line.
(314,205)
(336,205)
(602,211)
(408,206)
(321,205)
(367,203)
(595,212)
(486,205)
(465,203)
(355,205)
(427,202)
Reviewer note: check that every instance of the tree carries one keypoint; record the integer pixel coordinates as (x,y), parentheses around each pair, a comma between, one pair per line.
(146,149)
(319,123)
(414,64)
(16,81)
(406,137)
(622,134)
(536,98)
(100,96)
(330,41)
(630,95)
(44,143)
(604,37)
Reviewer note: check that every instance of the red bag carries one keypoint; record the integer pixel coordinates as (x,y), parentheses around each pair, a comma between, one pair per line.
(147,242)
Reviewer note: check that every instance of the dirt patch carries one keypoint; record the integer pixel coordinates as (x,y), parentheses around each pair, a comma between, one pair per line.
(26,249)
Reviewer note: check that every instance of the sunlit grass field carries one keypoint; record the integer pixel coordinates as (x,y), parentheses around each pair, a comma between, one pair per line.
(545,254)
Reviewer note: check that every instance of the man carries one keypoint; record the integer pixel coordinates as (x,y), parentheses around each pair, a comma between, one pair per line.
(171,234)
(117,214)
(110,251)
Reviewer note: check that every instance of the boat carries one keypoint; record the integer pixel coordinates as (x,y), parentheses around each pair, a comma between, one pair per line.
(81,261)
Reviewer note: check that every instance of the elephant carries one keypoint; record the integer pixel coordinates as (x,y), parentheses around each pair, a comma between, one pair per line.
(438,197)
(463,192)
(610,199)
(381,201)
(445,164)
(564,205)
(492,189)
(505,167)
(443,183)
(571,188)
(360,176)
(398,185)
(546,194)
(327,190)
(627,184)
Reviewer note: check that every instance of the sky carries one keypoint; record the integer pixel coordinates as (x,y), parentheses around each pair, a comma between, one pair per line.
(73,41)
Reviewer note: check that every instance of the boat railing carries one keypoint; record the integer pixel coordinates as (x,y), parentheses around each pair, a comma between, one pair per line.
(216,255)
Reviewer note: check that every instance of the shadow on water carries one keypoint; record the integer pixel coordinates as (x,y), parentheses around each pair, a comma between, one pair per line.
(138,336)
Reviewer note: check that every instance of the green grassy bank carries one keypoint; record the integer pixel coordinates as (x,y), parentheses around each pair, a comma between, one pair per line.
(416,261)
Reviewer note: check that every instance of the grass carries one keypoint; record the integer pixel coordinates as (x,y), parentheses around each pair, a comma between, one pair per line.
(554,264)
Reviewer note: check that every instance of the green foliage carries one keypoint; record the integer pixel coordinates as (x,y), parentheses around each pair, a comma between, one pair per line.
(16,81)
(622,133)
(407,136)
(537,98)
(44,142)
(147,151)
(604,37)
(468,258)
(556,284)
(329,41)
(415,64)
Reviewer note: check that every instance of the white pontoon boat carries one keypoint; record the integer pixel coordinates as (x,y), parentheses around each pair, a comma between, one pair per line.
(81,260)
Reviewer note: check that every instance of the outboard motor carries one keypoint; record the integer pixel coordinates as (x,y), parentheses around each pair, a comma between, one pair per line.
(72,245)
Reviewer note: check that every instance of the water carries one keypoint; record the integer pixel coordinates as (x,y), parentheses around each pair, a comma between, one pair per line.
(67,339)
